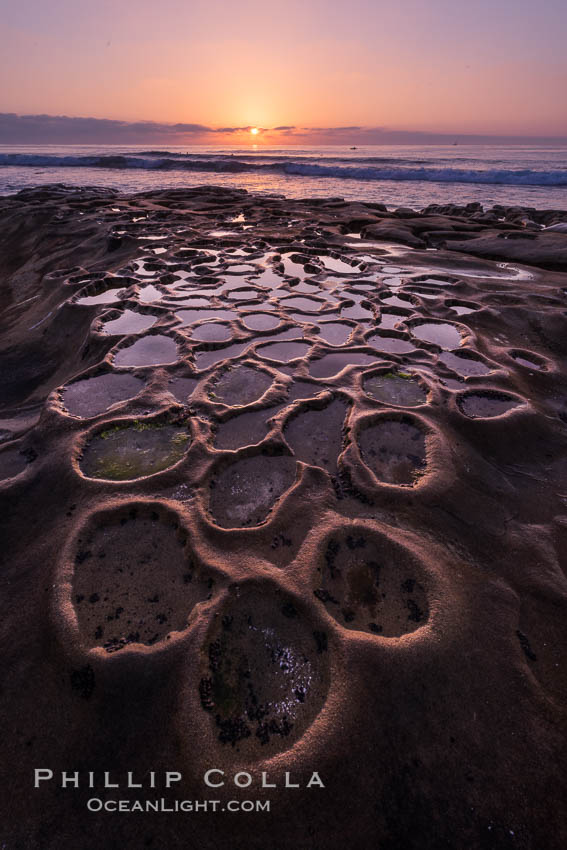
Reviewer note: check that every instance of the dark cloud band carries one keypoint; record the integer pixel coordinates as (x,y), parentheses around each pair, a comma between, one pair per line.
(61,129)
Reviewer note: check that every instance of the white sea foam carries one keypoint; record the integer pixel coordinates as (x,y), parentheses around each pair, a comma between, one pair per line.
(220,164)
(401,175)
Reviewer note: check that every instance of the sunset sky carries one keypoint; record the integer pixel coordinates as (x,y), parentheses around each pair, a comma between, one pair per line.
(489,67)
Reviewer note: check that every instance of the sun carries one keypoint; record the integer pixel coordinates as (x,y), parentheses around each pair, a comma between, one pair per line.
(254,131)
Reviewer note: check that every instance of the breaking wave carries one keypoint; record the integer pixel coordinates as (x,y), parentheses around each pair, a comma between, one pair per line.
(370,169)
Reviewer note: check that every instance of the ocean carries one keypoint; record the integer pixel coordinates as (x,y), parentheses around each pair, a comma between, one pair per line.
(396,175)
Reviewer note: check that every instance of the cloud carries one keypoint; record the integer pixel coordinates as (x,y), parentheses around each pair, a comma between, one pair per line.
(62,129)
(229,130)
(333,129)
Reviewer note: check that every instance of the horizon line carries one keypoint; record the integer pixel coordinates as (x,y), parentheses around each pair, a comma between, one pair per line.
(42,128)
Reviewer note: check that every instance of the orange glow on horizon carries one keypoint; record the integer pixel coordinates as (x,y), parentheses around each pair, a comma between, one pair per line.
(313,84)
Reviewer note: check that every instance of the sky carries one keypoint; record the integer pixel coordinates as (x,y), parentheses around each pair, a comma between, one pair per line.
(321,71)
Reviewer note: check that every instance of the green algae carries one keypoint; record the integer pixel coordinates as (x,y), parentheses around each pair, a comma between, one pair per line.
(134,450)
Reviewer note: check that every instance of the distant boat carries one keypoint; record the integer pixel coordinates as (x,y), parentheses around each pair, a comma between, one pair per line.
(455,142)
(354,148)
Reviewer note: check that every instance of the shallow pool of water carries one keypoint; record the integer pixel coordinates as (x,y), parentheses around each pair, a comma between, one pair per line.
(149,294)
(395,388)
(357,311)
(240,385)
(211,332)
(283,351)
(394,450)
(332,364)
(109,296)
(129,322)
(260,321)
(154,350)
(443,334)
(487,404)
(91,396)
(390,344)
(464,365)
(299,303)
(335,333)
(246,491)
(127,452)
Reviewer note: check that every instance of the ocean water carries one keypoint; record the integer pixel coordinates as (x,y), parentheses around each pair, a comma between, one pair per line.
(396,175)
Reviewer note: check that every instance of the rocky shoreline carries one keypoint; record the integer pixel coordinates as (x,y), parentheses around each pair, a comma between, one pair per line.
(282,492)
